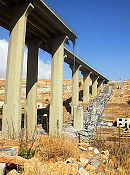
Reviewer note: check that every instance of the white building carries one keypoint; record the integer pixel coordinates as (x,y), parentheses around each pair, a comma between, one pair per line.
(1,104)
(123,122)
(39,105)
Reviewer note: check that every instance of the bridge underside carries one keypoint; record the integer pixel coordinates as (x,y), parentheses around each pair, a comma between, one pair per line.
(35,24)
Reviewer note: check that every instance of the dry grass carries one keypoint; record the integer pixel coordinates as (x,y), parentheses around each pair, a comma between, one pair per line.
(63,147)
(119,162)
(117,110)
(58,148)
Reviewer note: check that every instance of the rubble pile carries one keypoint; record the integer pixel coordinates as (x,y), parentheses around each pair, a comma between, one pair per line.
(92,115)
(90,162)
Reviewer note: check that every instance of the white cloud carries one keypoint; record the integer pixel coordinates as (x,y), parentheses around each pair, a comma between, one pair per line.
(44,69)
(3,57)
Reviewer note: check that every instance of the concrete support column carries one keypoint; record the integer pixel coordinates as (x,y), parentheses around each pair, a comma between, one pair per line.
(56,99)
(31,88)
(11,122)
(100,83)
(86,84)
(78,117)
(75,86)
(94,86)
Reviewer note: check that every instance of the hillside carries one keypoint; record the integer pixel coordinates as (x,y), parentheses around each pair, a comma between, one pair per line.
(43,95)
(117,107)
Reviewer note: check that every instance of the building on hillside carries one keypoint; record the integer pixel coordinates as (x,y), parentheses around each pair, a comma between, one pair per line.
(39,105)
(1,104)
(123,123)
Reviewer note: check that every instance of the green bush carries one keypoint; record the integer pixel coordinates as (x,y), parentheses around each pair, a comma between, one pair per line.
(26,153)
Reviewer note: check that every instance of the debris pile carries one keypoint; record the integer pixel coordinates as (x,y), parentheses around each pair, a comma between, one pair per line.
(88,162)
(92,115)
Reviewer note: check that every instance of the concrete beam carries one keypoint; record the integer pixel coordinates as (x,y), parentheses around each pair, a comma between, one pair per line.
(31,87)
(56,99)
(42,21)
(84,66)
(11,122)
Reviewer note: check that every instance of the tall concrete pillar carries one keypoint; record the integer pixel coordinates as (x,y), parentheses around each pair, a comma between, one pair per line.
(78,117)
(100,83)
(75,85)
(56,99)
(86,84)
(31,88)
(11,122)
(94,85)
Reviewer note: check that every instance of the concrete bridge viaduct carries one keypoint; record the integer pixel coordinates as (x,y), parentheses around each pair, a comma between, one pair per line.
(33,23)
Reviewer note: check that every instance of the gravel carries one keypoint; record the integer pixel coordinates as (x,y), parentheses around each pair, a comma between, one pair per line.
(92,115)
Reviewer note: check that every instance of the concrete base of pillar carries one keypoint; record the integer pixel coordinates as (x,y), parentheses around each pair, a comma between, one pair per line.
(55,126)
(78,117)
(13,125)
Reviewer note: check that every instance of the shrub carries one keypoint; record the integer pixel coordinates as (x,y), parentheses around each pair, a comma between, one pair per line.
(26,153)
(58,148)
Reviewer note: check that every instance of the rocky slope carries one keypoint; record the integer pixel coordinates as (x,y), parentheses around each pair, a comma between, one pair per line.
(92,115)
(117,107)
(61,156)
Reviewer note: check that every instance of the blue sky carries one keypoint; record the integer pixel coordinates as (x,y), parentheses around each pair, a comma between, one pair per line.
(103,29)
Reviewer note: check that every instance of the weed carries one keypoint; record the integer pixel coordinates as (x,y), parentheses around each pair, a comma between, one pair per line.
(120,156)
(26,153)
